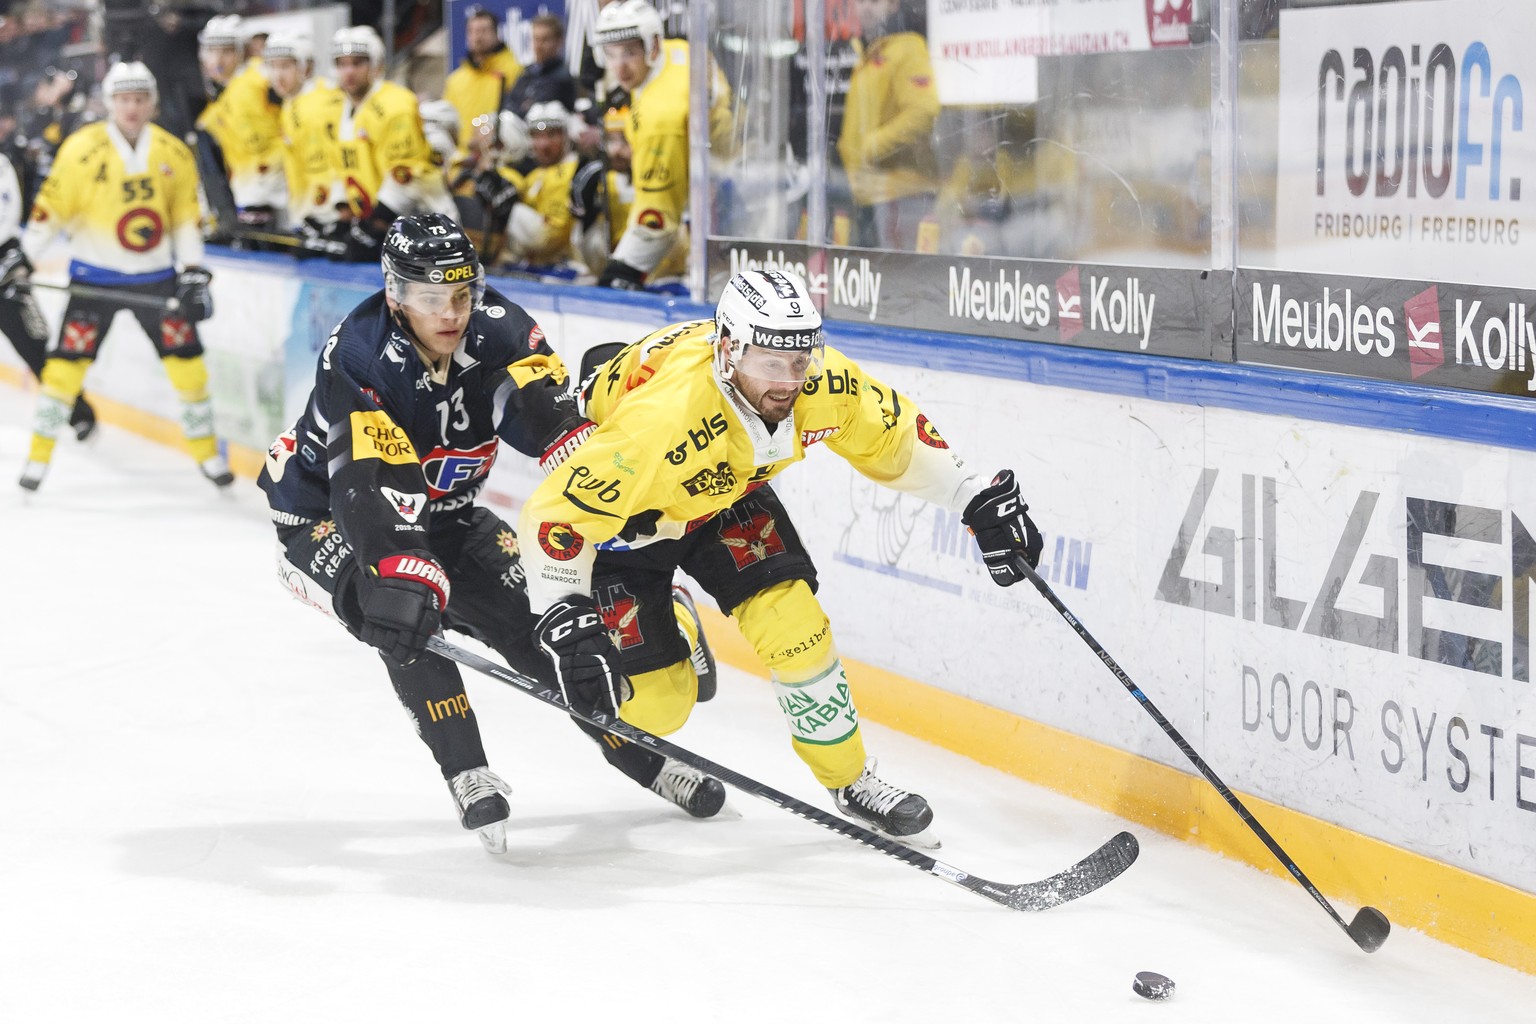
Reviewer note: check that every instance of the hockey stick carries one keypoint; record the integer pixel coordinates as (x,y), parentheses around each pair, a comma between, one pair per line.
(1099,867)
(167,304)
(332,248)
(1370,927)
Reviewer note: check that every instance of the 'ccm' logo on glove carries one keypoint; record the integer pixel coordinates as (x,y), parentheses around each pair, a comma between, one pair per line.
(584,621)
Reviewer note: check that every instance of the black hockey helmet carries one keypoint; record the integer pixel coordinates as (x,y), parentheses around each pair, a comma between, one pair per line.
(431,249)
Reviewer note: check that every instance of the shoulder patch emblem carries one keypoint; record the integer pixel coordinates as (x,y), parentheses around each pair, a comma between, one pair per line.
(560,541)
(929,434)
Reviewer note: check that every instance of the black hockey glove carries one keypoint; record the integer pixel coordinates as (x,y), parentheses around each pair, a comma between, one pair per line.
(571,633)
(257,218)
(620,275)
(403,602)
(315,240)
(15,269)
(496,194)
(1004,532)
(587,198)
(194,302)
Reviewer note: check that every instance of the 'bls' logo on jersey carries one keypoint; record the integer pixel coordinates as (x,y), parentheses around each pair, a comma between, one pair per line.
(621,614)
(749,535)
(449,468)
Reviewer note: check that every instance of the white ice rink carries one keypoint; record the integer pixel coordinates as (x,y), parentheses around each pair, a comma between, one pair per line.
(214,809)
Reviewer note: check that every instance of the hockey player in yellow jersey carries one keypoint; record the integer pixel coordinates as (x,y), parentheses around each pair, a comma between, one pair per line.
(693,422)
(245,122)
(601,194)
(654,71)
(220,51)
(124,191)
(533,210)
(382,160)
(310,114)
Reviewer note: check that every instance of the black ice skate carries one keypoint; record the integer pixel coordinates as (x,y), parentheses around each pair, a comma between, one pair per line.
(481,796)
(216,469)
(885,808)
(701,657)
(32,475)
(692,790)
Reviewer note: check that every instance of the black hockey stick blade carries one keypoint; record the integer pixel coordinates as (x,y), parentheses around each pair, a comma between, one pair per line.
(1100,867)
(1369,929)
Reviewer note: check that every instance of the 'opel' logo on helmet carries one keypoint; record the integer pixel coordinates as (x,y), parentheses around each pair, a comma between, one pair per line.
(435,276)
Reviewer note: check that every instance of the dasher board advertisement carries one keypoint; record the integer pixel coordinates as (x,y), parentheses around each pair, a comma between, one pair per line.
(1428,332)
(984,51)
(1156,310)
(1405,149)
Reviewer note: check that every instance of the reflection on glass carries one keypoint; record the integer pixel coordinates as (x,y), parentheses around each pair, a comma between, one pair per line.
(889,128)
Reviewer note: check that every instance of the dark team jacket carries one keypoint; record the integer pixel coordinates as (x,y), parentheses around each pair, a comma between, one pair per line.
(381,446)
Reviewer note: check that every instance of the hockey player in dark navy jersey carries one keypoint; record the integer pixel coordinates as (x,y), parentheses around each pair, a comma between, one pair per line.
(372,491)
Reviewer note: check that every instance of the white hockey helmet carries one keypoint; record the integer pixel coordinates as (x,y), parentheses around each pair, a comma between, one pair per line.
(294,46)
(626,19)
(440,124)
(552,114)
(223,30)
(512,133)
(767,327)
(129,76)
(358,41)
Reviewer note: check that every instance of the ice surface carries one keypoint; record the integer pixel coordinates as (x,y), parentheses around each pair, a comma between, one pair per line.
(214,809)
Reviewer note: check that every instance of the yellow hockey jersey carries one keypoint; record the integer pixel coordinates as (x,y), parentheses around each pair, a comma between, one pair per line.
(245,121)
(310,122)
(539,231)
(382,156)
(887,139)
(131,212)
(476,89)
(673,448)
(657,129)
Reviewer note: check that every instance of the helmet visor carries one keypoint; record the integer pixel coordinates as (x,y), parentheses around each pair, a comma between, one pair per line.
(440,299)
(792,358)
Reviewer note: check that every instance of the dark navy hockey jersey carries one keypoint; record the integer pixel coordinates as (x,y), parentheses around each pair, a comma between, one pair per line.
(381,444)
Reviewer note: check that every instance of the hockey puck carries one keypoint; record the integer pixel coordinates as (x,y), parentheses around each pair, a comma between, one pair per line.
(1151,985)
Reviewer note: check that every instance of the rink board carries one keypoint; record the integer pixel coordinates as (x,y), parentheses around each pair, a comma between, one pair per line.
(1335,616)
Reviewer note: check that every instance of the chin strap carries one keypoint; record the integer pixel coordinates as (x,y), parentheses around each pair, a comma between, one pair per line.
(768,446)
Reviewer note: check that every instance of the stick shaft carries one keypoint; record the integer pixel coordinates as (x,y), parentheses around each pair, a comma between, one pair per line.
(1179,741)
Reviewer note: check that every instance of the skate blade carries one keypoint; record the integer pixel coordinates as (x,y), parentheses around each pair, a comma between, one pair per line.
(924,840)
(493,837)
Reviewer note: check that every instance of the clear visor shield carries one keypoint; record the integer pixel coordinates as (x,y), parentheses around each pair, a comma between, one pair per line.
(445,300)
(788,358)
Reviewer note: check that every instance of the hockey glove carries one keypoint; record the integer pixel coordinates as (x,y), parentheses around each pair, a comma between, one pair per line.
(620,275)
(257,218)
(999,519)
(315,239)
(496,194)
(194,302)
(572,634)
(15,269)
(403,604)
(571,434)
